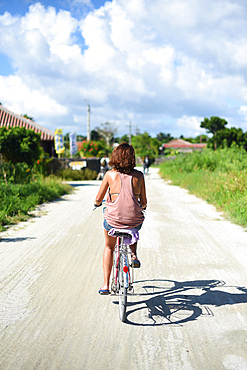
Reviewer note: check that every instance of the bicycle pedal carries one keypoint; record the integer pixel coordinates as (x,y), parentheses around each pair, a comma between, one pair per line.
(135,266)
(114,289)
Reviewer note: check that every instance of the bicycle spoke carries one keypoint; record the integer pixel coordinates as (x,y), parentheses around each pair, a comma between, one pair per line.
(122,291)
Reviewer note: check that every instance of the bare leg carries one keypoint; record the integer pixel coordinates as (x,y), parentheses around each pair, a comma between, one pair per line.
(108,258)
(133,247)
(136,262)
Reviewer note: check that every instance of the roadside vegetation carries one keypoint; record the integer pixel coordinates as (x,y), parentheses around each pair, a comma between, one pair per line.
(22,182)
(77,175)
(19,200)
(218,176)
(28,177)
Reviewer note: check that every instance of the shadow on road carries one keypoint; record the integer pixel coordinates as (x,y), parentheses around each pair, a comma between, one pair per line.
(11,240)
(76,185)
(167,302)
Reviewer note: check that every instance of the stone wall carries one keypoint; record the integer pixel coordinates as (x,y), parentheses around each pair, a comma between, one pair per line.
(61,163)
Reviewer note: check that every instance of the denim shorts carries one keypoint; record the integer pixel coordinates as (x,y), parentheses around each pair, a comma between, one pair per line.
(108,227)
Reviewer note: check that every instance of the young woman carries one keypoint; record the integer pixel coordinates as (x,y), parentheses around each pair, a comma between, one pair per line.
(125,202)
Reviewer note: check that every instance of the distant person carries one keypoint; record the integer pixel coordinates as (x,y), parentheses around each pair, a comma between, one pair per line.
(146,164)
(104,167)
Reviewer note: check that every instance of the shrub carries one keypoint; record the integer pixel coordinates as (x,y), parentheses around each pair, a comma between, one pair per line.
(89,149)
(17,200)
(220,177)
(18,145)
(77,175)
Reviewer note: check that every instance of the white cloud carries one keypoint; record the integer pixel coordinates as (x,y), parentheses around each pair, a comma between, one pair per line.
(55,27)
(191,124)
(23,99)
(243,113)
(161,63)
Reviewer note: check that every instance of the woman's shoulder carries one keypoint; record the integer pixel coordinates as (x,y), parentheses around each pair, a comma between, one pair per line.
(111,174)
(137,173)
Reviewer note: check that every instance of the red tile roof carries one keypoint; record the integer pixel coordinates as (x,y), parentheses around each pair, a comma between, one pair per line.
(10,119)
(179,143)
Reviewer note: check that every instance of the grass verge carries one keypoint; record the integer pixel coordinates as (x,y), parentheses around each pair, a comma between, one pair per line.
(18,200)
(218,177)
(77,175)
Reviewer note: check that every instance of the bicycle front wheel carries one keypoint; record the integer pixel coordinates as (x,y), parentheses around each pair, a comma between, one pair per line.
(122,290)
(115,269)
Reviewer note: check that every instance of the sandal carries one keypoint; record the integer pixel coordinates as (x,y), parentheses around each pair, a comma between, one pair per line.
(104,291)
(136,263)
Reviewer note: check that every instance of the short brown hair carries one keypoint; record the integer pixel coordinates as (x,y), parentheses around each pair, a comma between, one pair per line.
(123,158)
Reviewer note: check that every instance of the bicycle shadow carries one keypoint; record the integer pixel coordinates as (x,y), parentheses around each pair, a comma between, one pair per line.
(17,239)
(179,302)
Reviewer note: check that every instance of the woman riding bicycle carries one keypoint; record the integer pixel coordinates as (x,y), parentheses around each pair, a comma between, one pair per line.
(125,202)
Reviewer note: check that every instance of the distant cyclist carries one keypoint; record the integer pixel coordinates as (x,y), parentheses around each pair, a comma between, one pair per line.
(125,201)
(146,164)
(104,167)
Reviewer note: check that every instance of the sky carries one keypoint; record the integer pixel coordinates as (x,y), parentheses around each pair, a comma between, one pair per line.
(163,65)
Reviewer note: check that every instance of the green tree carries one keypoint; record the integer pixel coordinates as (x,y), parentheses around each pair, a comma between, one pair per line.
(122,139)
(213,125)
(28,117)
(196,140)
(200,139)
(19,145)
(144,144)
(229,136)
(107,131)
(81,138)
(245,141)
(164,138)
(95,135)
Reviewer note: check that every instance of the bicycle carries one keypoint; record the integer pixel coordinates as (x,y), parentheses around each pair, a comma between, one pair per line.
(122,270)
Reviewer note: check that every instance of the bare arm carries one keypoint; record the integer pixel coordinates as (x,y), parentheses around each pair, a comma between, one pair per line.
(143,197)
(102,190)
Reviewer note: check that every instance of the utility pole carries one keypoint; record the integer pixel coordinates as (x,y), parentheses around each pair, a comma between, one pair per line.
(88,123)
(129,132)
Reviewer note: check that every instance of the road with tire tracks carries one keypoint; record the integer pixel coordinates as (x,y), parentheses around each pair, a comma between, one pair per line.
(189,308)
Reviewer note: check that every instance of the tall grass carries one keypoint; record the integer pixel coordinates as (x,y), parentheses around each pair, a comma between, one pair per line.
(77,175)
(17,200)
(220,177)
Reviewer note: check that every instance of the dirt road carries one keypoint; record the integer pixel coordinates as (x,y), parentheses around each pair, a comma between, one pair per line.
(189,310)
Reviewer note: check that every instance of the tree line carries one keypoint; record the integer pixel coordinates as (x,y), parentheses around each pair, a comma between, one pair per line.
(223,136)
(144,144)
(19,145)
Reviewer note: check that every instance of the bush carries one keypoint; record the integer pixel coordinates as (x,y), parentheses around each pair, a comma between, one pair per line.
(220,177)
(18,145)
(18,200)
(221,160)
(89,149)
(77,175)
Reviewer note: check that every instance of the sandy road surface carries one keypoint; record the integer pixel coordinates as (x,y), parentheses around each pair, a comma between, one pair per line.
(189,310)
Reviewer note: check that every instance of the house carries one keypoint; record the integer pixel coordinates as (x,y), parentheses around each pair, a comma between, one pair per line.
(183,146)
(10,119)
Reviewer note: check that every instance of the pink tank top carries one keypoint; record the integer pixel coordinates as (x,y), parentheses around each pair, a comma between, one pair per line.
(125,212)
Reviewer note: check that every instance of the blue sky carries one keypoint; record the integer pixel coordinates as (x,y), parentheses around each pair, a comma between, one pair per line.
(20,7)
(163,65)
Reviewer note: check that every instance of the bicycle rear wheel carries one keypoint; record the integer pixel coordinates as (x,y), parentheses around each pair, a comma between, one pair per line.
(122,290)
(115,269)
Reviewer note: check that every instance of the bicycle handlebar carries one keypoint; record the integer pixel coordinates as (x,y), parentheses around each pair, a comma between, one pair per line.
(99,205)
(96,206)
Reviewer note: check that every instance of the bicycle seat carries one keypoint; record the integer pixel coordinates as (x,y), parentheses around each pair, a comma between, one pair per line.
(129,234)
(122,234)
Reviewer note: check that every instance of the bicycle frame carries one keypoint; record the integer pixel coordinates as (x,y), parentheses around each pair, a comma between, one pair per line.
(123,273)
(121,249)
(124,250)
